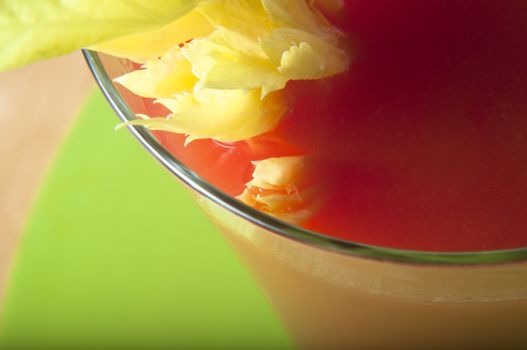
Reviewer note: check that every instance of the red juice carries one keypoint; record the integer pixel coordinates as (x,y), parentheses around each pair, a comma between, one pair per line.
(422,144)
(427,145)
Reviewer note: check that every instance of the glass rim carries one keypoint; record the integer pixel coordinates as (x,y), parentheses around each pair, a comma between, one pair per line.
(273,224)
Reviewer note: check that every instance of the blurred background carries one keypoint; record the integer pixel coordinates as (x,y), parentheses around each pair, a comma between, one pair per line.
(100,246)
(37,106)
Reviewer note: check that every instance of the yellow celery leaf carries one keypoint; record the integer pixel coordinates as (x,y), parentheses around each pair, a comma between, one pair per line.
(299,15)
(303,55)
(223,115)
(276,173)
(248,198)
(141,47)
(275,202)
(40,29)
(301,62)
(246,17)
(231,59)
(160,78)
(249,74)
(246,55)
(306,45)
(273,189)
(223,45)
(179,103)
(228,60)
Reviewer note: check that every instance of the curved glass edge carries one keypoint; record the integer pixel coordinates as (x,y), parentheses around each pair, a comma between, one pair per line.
(270,223)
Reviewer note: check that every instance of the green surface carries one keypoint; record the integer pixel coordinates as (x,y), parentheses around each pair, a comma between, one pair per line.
(116,254)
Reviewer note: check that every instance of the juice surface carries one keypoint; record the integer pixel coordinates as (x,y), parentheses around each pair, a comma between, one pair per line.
(422,144)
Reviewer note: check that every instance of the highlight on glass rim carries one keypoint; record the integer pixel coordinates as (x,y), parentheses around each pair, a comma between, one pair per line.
(365,164)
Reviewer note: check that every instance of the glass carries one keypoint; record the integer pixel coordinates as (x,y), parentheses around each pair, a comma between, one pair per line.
(335,293)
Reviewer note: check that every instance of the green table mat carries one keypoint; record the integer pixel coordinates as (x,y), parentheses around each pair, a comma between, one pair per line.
(116,254)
